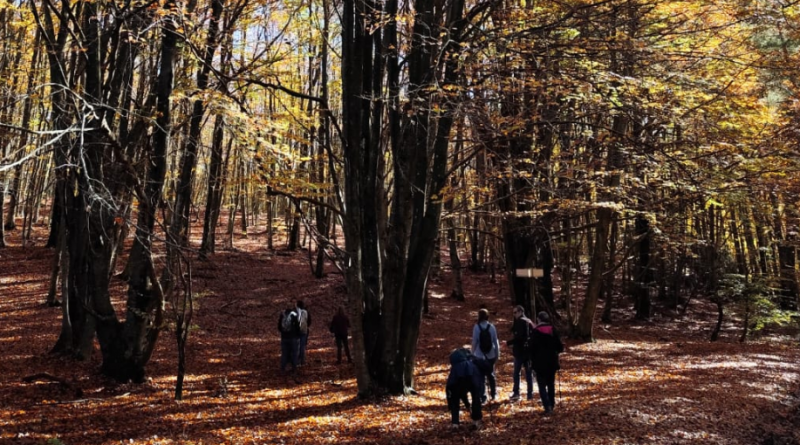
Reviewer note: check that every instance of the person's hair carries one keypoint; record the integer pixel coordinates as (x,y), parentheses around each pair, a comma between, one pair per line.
(483,315)
(341,310)
(543,317)
(300,304)
(520,309)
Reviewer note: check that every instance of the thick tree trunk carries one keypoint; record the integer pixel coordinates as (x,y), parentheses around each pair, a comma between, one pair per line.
(401,280)
(362,294)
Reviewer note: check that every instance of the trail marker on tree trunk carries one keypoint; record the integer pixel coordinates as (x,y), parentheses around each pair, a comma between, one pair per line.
(530,273)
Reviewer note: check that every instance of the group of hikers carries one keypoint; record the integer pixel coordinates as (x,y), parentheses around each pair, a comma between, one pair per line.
(294,323)
(535,347)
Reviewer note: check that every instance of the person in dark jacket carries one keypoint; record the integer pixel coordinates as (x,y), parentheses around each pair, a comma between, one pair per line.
(290,338)
(304,318)
(520,329)
(545,347)
(340,325)
(464,378)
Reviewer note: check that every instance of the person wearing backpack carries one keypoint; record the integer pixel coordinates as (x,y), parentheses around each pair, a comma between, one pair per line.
(521,330)
(545,346)
(289,327)
(464,378)
(486,350)
(304,318)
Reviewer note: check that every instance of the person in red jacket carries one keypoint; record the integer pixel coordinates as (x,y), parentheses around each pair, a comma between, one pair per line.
(545,347)
(340,325)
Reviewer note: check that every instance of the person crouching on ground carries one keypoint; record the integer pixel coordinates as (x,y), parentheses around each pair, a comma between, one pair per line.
(464,378)
(545,347)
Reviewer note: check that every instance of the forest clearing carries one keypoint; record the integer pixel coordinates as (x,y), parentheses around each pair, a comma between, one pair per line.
(196,196)
(659,382)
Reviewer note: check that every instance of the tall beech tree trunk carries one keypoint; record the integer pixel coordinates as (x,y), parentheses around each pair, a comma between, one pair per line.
(216,167)
(599,260)
(321,213)
(98,196)
(145,298)
(179,225)
(386,297)
(214,193)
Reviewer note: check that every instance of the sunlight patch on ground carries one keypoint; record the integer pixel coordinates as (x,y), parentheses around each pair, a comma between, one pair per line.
(11,340)
(696,435)
(28,279)
(723,364)
(617,375)
(437,295)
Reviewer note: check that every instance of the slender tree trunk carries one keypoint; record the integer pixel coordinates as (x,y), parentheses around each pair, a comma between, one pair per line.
(216,168)
(643,275)
(214,193)
(720,318)
(179,226)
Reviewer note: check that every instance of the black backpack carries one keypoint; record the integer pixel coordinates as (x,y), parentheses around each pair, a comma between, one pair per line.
(290,323)
(485,339)
(527,346)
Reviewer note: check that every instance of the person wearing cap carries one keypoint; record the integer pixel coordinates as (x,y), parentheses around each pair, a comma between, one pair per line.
(546,345)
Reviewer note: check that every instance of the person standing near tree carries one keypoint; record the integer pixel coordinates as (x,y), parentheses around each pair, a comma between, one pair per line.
(486,350)
(521,329)
(545,346)
(339,327)
(289,327)
(304,319)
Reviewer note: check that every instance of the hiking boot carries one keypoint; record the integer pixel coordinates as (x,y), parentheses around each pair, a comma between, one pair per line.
(454,426)
(477,424)
(530,396)
(514,397)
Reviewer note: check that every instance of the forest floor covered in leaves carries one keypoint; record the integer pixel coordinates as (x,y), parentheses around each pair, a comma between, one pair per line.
(660,382)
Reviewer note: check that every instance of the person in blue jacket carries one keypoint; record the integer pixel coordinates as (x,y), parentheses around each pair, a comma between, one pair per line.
(464,378)
(486,350)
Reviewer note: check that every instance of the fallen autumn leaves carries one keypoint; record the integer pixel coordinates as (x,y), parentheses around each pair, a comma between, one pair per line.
(660,383)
